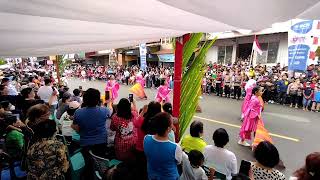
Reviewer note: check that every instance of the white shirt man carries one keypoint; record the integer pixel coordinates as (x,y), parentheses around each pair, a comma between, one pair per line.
(126,74)
(221,159)
(45,93)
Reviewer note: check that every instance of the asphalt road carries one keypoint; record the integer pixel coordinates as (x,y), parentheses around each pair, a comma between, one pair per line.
(294,132)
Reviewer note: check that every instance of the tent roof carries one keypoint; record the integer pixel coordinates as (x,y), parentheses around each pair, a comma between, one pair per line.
(44,27)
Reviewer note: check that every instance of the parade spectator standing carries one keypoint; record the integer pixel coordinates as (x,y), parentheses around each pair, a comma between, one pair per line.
(122,124)
(90,123)
(307,96)
(282,87)
(12,91)
(49,94)
(163,156)
(28,101)
(293,91)
(127,76)
(63,104)
(76,96)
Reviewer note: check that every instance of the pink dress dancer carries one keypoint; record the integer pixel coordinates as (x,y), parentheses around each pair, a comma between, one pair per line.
(251,118)
(140,80)
(163,93)
(249,86)
(114,87)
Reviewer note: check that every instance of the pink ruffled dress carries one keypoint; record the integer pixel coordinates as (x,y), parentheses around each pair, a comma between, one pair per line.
(251,117)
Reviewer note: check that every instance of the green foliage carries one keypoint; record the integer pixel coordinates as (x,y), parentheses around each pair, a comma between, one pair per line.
(62,63)
(191,79)
(318,51)
(2,61)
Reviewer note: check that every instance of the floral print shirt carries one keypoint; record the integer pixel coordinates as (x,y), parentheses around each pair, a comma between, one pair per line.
(47,159)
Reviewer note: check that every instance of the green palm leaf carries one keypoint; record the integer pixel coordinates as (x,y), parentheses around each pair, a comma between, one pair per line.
(191,79)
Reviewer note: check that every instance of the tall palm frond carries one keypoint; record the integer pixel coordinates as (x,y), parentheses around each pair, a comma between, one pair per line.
(191,79)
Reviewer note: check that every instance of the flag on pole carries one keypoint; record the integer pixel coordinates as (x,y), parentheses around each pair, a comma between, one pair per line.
(256,46)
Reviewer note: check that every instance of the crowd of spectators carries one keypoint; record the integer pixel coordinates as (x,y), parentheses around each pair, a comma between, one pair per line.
(35,113)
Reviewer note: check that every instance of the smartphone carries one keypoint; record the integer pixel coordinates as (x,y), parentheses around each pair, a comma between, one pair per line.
(80,87)
(107,95)
(245,167)
(131,97)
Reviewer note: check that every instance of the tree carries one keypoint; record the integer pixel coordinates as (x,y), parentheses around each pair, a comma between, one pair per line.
(2,61)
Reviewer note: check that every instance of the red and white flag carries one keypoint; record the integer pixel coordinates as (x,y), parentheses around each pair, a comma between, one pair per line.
(256,46)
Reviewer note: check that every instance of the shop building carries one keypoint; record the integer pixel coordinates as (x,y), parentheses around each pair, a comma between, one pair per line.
(234,46)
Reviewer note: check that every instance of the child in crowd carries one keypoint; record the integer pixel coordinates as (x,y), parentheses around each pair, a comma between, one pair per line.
(162,155)
(204,84)
(191,166)
(76,96)
(316,102)
(307,96)
(167,107)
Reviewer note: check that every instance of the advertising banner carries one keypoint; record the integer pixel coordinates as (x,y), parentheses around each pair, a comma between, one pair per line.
(143,56)
(166,57)
(301,47)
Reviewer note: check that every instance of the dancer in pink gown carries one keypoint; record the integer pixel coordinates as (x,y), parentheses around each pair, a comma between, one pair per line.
(249,86)
(113,87)
(163,92)
(251,117)
(139,86)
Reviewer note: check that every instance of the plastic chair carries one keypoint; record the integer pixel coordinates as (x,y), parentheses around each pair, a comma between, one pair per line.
(10,170)
(62,139)
(77,164)
(101,165)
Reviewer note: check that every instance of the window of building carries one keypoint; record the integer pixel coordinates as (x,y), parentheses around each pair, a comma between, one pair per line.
(225,54)
(269,53)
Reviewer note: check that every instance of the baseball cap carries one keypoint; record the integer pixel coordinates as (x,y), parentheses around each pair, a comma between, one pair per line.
(74,105)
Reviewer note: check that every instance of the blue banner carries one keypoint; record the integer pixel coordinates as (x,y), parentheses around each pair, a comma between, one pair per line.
(298,56)
(143,56)
(299,44)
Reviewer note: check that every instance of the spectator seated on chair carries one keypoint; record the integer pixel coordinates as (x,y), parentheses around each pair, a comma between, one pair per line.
(191,166)
(47,157)
(194,141)
(14,138)
(218,157)
(267,157)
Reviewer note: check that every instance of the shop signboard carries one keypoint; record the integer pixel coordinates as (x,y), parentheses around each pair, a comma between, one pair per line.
(166,57)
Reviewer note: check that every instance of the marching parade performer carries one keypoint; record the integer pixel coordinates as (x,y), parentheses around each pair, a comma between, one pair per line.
(248,88)
(138,88)
(163,92)
(112,87)
(252,115)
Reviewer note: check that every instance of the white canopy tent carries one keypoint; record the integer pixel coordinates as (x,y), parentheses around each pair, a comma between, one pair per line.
(43,27)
